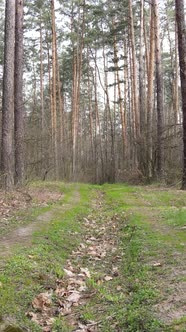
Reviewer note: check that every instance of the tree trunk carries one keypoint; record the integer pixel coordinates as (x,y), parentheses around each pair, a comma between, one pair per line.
(120,97)
(18,103)
(150,103)
(7,158)
(142,105)
(111,175)
(61,117)
(180,18)
(41,79)
(142,95)
(77,73)
(54,93)
(159,85)
(176,81)
(134,69)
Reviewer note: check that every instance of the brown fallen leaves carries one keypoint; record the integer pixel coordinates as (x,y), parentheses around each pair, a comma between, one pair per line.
(68,293)
(42,301)
(19,200)
(59,302)
(72,291)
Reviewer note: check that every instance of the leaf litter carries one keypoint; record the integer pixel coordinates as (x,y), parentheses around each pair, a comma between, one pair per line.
(71,292)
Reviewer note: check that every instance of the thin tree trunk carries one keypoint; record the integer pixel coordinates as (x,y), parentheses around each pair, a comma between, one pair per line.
(90,111)
(159,84)
(41,78)
(142,95)
(43,138)
(18,102)
(77,70)
(120,102)
(176,82)
(61,115)
(54,96)
(98,124)
(134,69)
(51,126)
(150,103)
(112,162)
(7,157)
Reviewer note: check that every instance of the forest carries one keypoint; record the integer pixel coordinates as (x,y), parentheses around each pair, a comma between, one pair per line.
(92,166)
(91,91)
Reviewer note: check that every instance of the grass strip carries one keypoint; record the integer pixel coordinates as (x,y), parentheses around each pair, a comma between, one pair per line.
(34,269)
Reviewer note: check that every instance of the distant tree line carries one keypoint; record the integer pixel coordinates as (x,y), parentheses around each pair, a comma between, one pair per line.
(91,91)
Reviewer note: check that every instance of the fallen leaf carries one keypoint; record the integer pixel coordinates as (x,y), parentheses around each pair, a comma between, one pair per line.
(41,301)
(76,281)
(46,329)
(69,273)
(65,308)
(115,271)
(108,278)
(34,317)
(156,264)
(74,297)
(60,291)
(85,271)
(82,288)
(82,245)
(30,256)
(93,239)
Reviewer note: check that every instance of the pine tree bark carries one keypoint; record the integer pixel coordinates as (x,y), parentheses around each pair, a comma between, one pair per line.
(150,99)
(54,93)
(176,81)
(77,73)
(112,173)
(142,95)
(121,104)
(41,78)
(18,103)
(7,157)
(134,69)
(61,116)
(180,18)
(159,85)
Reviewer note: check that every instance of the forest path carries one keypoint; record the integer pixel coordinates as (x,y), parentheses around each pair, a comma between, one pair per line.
(128,272)
(22,235)
(113,259)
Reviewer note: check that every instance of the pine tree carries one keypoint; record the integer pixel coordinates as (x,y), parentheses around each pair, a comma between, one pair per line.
(7,157)
(18,91)
(180,18)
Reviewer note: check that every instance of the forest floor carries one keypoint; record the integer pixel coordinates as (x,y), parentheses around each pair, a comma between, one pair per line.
(82,258)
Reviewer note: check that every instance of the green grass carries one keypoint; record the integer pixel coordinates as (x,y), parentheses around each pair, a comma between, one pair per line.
(175,217)
(28,271)
(148,230)
(143,241)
